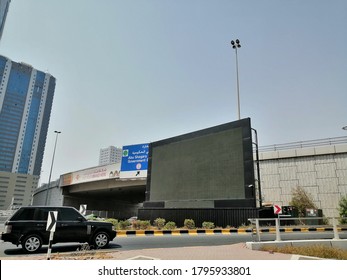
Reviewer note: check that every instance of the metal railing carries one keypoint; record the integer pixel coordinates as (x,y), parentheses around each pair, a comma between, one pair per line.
(304,144)
(258,229)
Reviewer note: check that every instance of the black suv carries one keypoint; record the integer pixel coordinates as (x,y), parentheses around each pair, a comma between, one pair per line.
(28,227)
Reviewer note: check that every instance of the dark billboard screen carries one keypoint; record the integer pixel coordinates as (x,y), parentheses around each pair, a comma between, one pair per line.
(202,167)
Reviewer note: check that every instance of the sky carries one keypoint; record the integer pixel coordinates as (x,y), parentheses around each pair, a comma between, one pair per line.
(131,72)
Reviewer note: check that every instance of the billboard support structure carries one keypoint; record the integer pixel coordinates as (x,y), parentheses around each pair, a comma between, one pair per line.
(258,167)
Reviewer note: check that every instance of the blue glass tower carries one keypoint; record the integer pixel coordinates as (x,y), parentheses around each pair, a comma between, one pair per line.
(4,5)
(26,97)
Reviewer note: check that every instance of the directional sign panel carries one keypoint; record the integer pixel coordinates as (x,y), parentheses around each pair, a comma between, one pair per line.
(52,221)
(277,209)
(134,161)
(135,157)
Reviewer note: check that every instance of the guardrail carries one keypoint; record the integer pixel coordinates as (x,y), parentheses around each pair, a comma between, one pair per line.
(304,144)
(258,230)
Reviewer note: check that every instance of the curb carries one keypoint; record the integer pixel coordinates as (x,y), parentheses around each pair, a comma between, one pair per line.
(125,233)
(302,229)
(332,243)
(178,232)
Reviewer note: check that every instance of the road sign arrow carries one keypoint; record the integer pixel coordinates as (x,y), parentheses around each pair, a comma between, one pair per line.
(277,209)
(52,221)
(83,209)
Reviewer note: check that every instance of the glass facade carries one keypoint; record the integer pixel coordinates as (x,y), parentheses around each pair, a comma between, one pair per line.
(26,97)
(4,5)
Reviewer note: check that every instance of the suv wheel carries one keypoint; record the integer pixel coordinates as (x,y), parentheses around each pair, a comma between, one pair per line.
(101,239)
(31,243)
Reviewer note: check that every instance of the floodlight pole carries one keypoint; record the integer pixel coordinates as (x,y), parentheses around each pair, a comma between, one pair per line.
(235,46)
(50,173)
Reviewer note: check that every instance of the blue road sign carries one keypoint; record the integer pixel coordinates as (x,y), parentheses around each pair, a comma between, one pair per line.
(135,157)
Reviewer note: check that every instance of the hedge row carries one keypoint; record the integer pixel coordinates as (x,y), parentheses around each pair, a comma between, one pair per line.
(159,223)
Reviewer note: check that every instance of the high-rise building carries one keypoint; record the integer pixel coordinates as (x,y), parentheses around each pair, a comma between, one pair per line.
(4,5)
(110,155)
(26,97)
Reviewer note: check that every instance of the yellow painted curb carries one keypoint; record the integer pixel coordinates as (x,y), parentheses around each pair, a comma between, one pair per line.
(140,233)
(121,234)
(195,232)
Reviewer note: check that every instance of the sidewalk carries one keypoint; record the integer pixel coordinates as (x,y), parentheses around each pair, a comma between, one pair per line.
(237,251)
(225,252)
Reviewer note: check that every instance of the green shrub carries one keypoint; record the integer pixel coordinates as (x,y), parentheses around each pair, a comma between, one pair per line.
(123,225)
(189,224)
(208,225)
(145,225)
(302,200)
(138,224)
(114,222)
(343,210)
(90,217)
(159,223)
(170,225)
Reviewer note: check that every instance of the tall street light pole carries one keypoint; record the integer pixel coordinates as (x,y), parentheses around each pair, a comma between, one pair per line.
(237,45)
(50,173)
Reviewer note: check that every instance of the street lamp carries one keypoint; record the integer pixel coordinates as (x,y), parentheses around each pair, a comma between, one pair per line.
(237,45)
(50,173)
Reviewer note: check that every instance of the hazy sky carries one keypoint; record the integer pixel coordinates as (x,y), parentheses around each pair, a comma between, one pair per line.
(132,72)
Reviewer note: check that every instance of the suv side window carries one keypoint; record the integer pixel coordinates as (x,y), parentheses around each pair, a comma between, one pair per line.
(41,214)
(31,214)
(68,214)
(25,214)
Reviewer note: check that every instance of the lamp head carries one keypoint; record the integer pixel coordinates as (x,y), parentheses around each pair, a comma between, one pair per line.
(236,44)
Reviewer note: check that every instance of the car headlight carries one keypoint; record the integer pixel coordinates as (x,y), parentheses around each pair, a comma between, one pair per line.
(8,229)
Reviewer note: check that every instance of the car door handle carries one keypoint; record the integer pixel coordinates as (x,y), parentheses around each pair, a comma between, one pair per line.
(39,225)
(64,225)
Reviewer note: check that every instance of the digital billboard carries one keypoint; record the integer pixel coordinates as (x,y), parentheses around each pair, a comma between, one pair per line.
(207,168)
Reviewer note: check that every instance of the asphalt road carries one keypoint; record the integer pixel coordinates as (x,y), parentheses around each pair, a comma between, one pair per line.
(169,241)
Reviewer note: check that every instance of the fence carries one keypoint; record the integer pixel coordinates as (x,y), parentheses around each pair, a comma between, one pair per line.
(102,213)
(304,144)
(221,217)
(278,228)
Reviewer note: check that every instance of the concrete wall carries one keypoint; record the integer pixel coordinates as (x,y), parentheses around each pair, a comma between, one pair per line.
(111,208)
(55,197)
(320,171)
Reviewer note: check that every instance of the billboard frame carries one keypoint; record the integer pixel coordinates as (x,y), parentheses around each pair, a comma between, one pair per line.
(248,164)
